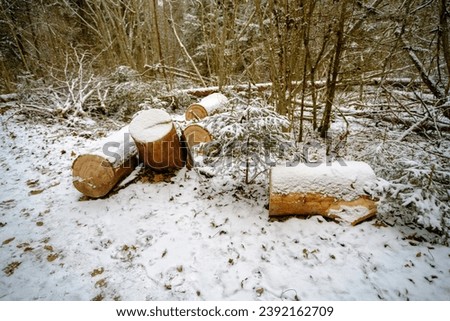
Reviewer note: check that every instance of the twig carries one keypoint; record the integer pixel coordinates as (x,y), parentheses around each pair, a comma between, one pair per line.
(413,128)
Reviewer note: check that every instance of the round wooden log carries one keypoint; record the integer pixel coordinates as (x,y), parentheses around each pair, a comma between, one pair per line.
(157,140)
(208,106)
(333,190)
(193,135)
(196,134)
(104,164)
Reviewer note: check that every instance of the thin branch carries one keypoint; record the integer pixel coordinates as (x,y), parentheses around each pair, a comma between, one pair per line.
(174,29)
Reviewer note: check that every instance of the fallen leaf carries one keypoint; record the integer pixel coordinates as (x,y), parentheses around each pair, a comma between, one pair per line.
(11,267)
(98,297)
(97,271)
(32,182)
(8,240)
(260,291)
(52,257)
(36,191)
(101,283)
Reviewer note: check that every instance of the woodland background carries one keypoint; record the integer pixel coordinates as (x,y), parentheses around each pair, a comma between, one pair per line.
(291,44)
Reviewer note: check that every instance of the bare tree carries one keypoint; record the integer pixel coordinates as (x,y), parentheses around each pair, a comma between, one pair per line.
(334,70)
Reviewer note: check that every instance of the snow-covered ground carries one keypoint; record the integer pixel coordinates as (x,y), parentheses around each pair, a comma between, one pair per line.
(186,238)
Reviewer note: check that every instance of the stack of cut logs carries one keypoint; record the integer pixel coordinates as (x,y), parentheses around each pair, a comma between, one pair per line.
(154,142)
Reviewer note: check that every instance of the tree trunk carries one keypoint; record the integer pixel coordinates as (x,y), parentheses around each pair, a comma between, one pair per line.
(156,139)
(193,135)
(207,106)
(158,44)
(333,73)
(443,16)
(322,189)
(196,134)
(98,169)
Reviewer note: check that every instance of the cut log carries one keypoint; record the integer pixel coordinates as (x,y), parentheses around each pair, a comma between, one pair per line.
(157,140)
(193,135)
(104,164)
(335,190)
(207,106)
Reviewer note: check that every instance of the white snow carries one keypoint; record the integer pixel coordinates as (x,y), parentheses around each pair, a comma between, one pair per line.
(192,238)
(115,148)
(341,179)
(349,214)
(150,125)
(214,102)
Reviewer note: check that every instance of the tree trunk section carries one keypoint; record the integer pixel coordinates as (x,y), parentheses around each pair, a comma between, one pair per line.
(193,135)
(157,140)
(208,106)
(97,170)
(331,190)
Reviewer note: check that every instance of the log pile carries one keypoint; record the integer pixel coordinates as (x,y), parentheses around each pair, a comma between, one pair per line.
(333,190)
(151,138)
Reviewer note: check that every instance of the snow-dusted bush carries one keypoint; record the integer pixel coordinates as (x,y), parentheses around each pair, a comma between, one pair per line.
(416,188)
(125,98)
(249,138)
(125,74)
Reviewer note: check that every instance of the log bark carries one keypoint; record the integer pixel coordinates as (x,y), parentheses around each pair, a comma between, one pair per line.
(157,140)
(193,135)
(99,168)
(333,72)
(208,106)
(331,190)
(317,204)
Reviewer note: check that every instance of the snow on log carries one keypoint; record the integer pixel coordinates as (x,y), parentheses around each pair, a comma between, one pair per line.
(334,190)
(104,164)
(207,106)
(193,135)
(156,139)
